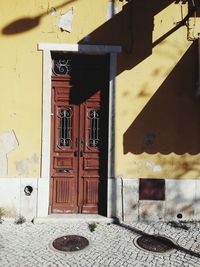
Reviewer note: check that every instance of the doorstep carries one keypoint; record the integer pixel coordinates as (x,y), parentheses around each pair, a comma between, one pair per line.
(73,218)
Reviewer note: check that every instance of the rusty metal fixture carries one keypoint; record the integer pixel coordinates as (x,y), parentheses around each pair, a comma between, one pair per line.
(70,243)
(154,243)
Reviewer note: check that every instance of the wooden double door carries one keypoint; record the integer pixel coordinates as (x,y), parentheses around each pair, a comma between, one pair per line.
(79,123)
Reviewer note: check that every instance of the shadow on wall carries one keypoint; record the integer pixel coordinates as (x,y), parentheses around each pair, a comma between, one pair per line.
(131,28)
(170,122)
(28,23)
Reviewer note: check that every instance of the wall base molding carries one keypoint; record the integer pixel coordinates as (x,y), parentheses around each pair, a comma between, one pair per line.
(182,199)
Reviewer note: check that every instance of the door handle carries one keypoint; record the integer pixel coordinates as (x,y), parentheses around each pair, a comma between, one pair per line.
(82,141)
(81,153)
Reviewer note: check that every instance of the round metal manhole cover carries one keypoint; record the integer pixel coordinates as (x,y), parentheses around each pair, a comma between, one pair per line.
(154,243)
(70,243)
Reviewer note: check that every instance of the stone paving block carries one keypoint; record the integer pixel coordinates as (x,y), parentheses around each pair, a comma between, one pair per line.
(111,245)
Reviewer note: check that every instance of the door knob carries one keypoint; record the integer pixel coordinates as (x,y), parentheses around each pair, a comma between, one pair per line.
(82,141)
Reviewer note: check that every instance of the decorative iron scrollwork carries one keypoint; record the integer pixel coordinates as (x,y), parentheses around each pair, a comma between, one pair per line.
(94,116)
(61,66)
(66,126)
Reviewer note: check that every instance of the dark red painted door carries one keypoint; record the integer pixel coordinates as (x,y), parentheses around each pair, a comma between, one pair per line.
(79,133)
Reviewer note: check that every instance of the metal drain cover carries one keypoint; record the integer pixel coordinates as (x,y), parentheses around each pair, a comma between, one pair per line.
(70,243)
(155,243)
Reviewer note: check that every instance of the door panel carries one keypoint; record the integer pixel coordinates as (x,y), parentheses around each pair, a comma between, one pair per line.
(63,149)
(78,140)
(64,195)
(90,195)
(90,164)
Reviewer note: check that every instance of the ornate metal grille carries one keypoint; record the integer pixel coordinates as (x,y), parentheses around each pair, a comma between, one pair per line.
(66,127)
(61,66)
(94,116)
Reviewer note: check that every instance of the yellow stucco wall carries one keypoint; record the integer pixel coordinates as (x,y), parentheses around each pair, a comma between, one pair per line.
(151,137)
(21,69)
(157,133)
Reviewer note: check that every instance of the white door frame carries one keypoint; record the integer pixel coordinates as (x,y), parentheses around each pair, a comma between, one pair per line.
(44,181)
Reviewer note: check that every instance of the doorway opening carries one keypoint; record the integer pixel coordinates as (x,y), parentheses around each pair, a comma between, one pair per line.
(79,133)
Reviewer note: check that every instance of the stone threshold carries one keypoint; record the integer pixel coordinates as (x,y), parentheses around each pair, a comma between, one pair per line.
(73,218)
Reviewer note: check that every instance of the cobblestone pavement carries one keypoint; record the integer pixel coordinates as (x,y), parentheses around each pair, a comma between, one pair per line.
(110,245)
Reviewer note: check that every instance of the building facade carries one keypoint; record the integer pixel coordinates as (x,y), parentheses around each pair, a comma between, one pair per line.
(100,109)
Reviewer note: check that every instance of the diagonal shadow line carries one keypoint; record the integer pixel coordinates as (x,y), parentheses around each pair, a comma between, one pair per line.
(181,23)
(174,245)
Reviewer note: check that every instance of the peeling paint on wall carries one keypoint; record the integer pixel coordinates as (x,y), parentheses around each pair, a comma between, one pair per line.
(8,142)
(65,21)
(24,166)
(153,167)
(53,11)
